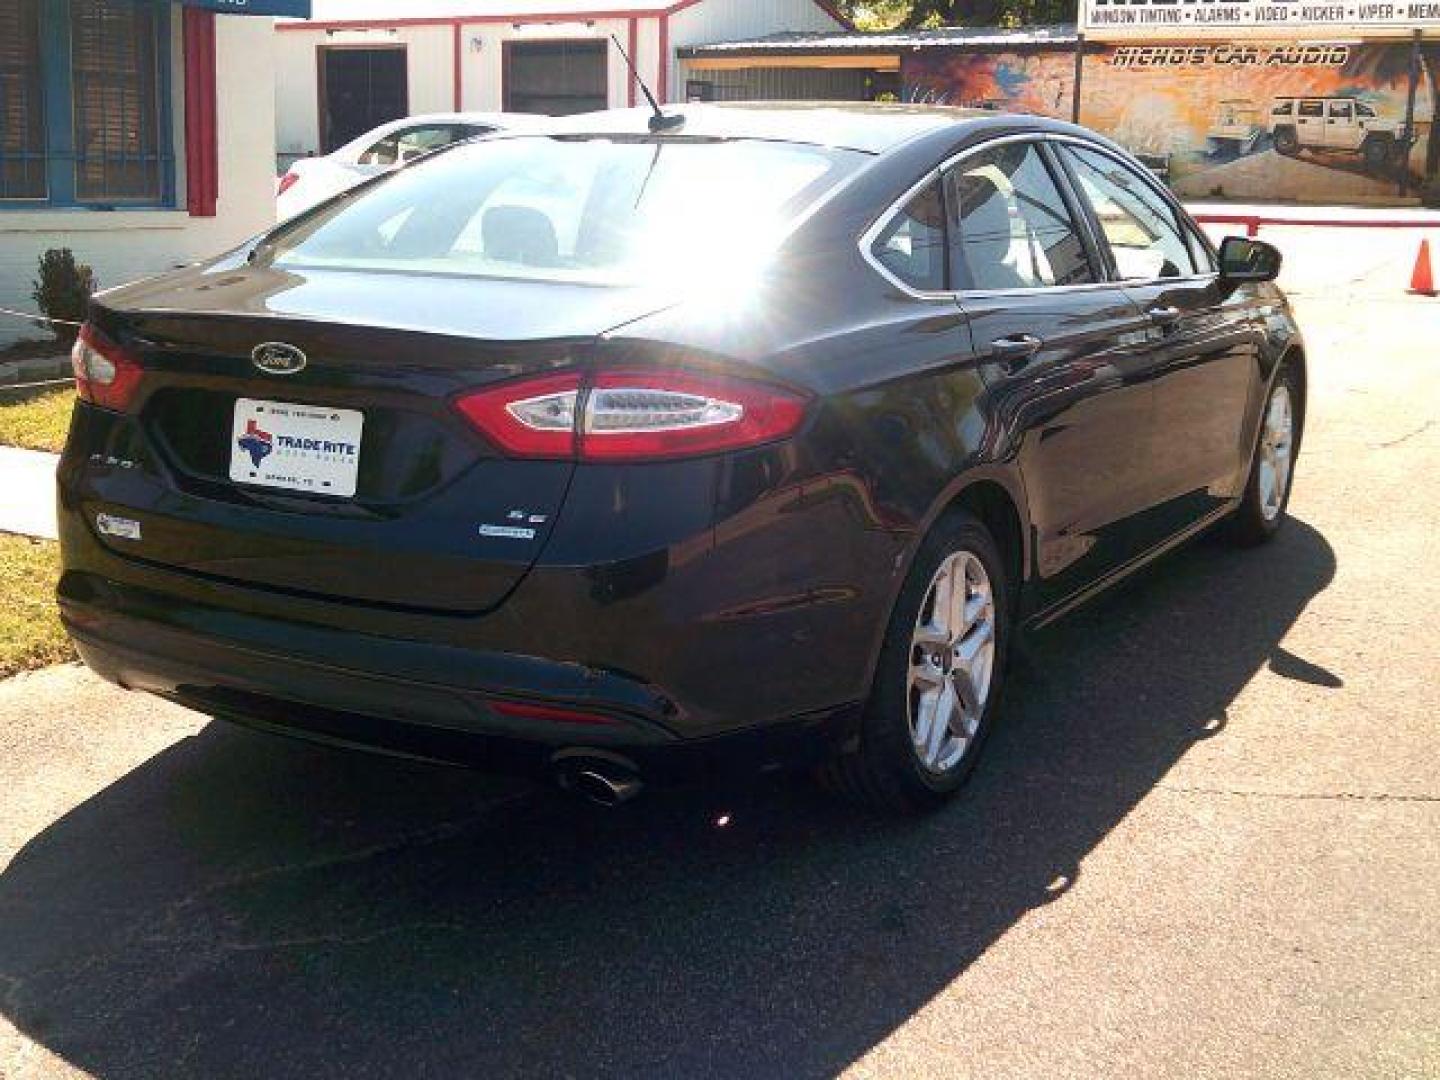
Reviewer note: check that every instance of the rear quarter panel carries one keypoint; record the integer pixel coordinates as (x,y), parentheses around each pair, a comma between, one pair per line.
(811,539)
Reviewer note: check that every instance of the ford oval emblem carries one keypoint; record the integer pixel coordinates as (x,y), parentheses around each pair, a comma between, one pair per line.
(277,358)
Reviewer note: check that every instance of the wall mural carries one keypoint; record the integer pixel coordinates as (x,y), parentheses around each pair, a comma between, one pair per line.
(1309,122)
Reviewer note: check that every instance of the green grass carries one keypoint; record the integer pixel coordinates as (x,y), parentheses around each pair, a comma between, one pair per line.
(38,424)
(30,633)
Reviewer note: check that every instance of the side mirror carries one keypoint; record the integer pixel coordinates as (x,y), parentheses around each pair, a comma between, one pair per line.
(1243,259)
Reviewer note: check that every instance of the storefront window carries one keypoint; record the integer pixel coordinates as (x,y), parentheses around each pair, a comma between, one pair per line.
(22,102)
(83,116)
(114,79)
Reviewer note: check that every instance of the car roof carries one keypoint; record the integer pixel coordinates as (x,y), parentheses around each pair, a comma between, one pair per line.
(866,126)
(501,119)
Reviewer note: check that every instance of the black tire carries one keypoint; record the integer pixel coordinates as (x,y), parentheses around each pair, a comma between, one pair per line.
(1250,524)
(1287,143)
(1378,154)
(885,770)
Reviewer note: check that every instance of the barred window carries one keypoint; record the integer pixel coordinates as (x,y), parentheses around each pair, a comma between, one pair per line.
(22,102)
(116,104)
(84,110)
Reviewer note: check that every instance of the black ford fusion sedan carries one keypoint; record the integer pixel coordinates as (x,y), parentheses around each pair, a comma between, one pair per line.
(628,455)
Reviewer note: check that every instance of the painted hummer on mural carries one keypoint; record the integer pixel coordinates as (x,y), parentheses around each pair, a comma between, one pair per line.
(1338,124)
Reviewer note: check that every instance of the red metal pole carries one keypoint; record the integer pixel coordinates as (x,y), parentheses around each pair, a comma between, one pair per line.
(459,67)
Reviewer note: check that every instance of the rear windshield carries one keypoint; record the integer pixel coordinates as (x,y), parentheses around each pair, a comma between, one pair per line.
(592,209)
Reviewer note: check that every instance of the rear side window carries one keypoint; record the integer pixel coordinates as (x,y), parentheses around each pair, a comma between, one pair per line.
(1285,108)
(1010,226)
(912,244)
(1141,229)
(1342,109)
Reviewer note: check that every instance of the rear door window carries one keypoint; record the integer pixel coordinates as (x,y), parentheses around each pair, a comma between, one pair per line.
(1141,229)
(1010,226)
(1312,108)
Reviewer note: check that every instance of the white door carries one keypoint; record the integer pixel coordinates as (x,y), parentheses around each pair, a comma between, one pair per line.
(1341,130)
(1310,122)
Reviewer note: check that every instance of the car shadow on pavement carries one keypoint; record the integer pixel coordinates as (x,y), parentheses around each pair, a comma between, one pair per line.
(246,906)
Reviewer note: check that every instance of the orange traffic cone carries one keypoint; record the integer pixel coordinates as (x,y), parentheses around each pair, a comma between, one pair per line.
(1422,282)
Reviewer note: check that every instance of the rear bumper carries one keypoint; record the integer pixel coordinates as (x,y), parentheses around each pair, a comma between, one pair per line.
(401,697)
(685,608)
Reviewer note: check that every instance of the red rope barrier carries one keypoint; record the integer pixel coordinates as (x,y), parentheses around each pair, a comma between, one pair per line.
(1252,222)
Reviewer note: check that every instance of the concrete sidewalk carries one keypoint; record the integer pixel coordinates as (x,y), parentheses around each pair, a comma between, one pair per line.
(27,492)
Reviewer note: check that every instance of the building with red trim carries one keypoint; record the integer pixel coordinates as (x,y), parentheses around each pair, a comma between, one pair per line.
(358,63)
(138,133)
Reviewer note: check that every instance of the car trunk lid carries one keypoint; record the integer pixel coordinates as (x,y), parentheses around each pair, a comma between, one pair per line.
(438,518)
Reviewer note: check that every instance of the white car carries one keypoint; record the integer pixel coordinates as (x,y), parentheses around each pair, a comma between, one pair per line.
(312,180)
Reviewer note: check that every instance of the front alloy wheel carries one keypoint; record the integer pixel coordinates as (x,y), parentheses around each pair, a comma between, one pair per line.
(1267,494)
(1277,441)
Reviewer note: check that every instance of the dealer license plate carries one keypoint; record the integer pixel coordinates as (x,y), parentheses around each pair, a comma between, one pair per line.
(297,447)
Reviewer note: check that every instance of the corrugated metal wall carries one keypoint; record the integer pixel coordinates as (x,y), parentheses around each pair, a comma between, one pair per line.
(781,84)
(729,20)
(726,20)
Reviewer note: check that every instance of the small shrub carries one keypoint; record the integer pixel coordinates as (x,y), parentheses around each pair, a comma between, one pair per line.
(62,291)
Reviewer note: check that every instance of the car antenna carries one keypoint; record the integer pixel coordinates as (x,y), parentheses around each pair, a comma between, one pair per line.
(660,121)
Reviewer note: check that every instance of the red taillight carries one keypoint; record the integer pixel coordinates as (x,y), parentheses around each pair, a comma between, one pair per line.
(636,414)
(633,415)
(289,180)
(555,714)
(105,374)
(529,418)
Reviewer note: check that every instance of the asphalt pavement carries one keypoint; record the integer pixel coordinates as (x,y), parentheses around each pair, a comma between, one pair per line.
(1205,843)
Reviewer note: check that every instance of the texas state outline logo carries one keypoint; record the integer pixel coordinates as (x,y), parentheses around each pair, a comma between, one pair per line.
(257,442)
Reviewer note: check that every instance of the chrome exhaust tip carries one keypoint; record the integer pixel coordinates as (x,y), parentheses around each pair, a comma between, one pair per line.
(604,781)
(604,790)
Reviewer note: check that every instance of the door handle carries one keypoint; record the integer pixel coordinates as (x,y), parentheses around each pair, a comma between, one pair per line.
(1014,350)
(1164,316)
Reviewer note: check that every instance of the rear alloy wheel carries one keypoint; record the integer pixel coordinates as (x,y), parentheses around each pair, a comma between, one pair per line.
(937,685)
(952,657)
(1262,510)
